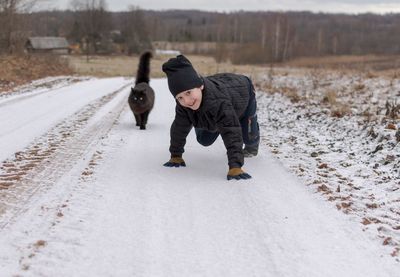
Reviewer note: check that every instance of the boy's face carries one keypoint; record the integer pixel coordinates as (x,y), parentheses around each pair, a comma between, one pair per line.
(190,98)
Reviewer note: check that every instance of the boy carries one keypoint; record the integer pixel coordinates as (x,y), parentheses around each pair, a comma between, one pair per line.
(222,104)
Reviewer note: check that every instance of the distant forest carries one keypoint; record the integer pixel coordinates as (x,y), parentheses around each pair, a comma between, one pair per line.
(254,37)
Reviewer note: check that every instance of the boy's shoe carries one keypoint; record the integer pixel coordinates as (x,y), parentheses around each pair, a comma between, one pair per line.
(250,151)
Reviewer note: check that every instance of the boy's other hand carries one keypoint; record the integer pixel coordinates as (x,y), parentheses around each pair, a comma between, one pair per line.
(175,162)
(237,173)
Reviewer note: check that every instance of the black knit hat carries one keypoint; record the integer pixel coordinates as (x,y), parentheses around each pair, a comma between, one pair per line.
(181,75)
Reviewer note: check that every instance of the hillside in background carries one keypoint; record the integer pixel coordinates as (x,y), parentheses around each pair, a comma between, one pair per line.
(259,37)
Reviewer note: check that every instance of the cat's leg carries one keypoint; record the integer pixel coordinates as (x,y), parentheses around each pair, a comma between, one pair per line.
(138,119)
(144,117)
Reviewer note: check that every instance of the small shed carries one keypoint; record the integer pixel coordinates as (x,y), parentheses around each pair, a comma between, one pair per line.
(55,45)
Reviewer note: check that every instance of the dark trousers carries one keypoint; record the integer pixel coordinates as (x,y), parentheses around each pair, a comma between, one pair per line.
(250,128)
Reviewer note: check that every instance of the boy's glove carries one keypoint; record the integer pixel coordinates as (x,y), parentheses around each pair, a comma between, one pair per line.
(175,162)
(237,173)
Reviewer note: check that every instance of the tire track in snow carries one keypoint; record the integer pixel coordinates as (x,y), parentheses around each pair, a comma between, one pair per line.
(47,159)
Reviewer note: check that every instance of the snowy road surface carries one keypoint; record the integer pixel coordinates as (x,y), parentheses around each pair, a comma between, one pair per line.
(83,193)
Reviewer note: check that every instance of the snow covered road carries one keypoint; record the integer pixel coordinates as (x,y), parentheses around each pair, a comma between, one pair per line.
(85,194)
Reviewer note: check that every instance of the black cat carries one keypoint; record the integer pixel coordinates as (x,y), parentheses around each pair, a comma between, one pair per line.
(141,98)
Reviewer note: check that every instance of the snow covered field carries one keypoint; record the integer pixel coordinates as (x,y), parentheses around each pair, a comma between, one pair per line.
(83,193)
(341,134)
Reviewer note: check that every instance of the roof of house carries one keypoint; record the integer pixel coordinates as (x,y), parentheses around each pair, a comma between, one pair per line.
(48,42)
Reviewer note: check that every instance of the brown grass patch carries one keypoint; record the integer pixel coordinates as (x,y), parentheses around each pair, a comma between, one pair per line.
(5,185)
(110,66)
(40,243)
(340,110)
(359,87)
(330,97)
(18,70)
(370,64)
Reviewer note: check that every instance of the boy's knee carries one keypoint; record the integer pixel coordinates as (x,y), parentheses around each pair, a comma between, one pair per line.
(206,138)
(204,142)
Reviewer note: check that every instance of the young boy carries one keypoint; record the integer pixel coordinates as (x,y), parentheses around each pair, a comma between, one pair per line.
(221,104)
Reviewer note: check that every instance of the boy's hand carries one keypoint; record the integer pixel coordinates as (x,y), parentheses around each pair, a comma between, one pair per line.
(175,162)
(237,173)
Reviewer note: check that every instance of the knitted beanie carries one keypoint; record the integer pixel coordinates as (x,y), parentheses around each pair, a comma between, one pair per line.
(181,75)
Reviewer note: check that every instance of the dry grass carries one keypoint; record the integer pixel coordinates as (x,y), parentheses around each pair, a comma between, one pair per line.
(18,70)
(109,66)
(330,97)
(359,87)
(340,110)
(372,65)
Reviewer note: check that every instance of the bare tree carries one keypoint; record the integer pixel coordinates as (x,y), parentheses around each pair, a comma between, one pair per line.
(264,34)
(288,40)
(10,22)
(94,22)
(277,37)
(319,41)
(135,31)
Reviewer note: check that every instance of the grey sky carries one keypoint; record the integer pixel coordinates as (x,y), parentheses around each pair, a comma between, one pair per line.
(346,6)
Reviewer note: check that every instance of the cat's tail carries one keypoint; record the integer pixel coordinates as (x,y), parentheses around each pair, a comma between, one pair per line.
(143,73)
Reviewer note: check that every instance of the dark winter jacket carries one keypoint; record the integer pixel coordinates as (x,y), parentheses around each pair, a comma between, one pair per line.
(224,101)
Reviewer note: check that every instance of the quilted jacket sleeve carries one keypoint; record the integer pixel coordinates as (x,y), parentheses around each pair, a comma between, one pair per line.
(180,128)
(231,133)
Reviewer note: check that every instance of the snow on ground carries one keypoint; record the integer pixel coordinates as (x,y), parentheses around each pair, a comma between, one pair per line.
(85,194)
(337,133)
(40,86)
(25,118)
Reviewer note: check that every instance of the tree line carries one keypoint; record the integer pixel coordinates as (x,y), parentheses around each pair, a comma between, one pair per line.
(255,37)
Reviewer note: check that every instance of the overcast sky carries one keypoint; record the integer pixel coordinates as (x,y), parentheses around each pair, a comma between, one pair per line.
(346,6)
